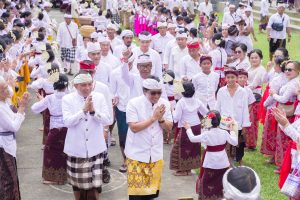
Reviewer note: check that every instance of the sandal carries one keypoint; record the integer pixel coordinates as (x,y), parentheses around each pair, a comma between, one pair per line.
(123,169)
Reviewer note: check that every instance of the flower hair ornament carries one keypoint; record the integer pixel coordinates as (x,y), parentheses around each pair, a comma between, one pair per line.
(13,36)
(206,121)
(211,115)
(218,42)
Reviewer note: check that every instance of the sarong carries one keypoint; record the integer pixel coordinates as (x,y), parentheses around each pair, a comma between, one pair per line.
(46,125)
(252,131)
(144,178)
(282,143)
(55,160)
(9,183)
(186,155)
(85,173)
(68,55)
(268,143)
(211,185)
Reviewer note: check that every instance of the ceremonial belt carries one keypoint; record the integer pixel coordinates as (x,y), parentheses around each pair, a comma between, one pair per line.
(172,98)
(216,148)
(219,68)
(7,133)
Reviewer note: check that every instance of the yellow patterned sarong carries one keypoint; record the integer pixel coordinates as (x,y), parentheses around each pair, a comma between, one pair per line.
(144,178)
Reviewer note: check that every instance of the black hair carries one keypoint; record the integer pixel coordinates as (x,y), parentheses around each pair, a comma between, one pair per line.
(7,39)
(187,19)
(179,18)
(242,178)
(176,11)
(3,44)
(172,74)
(108,14)
(25,14)
(51,57)
(215,121)
(279,61)
(16,33)
(27,23)
(242,46)
(194,32)
(257,51)
(218,36)
(233,30)
(184,14)
(189,89)
(5,15)
(2,26)
(145,33)
(62,82)
(284,51)
(40,37)
(40,16)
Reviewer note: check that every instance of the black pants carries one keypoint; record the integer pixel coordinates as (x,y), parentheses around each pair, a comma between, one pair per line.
(275,44)
(240,149)
(143,197)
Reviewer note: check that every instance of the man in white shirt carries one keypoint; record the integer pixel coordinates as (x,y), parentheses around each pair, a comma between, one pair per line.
(47,8)
(160,40)
(206,83)
(103,70)
(278,26)
(127,37)
(177,53)
(264,15)
(67,40)
(145,41)
(111,33)
(189,66)
(85,113)
(106,55)
(230,18)
(147,116)
(205,7)
(10,123)
(232,101)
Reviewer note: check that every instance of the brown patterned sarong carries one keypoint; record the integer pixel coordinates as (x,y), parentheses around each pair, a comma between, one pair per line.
(186,155)
(55,160)
(9,183)
(211,186)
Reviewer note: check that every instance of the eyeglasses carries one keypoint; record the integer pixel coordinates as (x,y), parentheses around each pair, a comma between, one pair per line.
(289,70)
(153,93)
(238,52)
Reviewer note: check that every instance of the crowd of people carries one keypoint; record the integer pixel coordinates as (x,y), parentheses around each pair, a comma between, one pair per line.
(195,86)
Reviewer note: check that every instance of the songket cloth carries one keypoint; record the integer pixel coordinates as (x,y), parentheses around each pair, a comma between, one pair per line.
(282,143)
(186,155)
(144,179)
(9,182)
(55,160)
(268,144)
(252,131)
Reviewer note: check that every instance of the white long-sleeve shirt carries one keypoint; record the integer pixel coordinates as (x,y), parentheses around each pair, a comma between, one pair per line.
(206,87)
(172,43)
(42,83)
(214,137)
(9,122)
(85,137)
(189,67)
(159,43)
(292,130)
(235,106)
(102,73)
(53,103)
(287,93)
(264,7)
(187,110)
(64,38)
(176,59)
(256,78)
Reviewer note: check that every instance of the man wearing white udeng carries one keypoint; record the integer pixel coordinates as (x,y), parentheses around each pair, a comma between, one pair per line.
(85,113)
(147,116)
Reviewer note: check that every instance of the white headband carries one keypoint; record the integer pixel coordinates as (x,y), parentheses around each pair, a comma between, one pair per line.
(68,16)
(231,192)
(82,78)
(181,35)
(152,84)
(126,33)
(143,59)
(93,46)
(112,26)
(162,24)
(145,37)
(103,39)
(171,25)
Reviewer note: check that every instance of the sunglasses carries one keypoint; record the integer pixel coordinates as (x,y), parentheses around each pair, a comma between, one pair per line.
(289,70)
(153,93)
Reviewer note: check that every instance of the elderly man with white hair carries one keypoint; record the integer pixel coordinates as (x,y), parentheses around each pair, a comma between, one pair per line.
(160,40)
(127,37)
(102,70)
(144,49)
(147,116)
(10,123)
(85,113)
(67,40)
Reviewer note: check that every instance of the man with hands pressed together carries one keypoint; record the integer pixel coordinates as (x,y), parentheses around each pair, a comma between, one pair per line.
(85,113)
(147,116)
